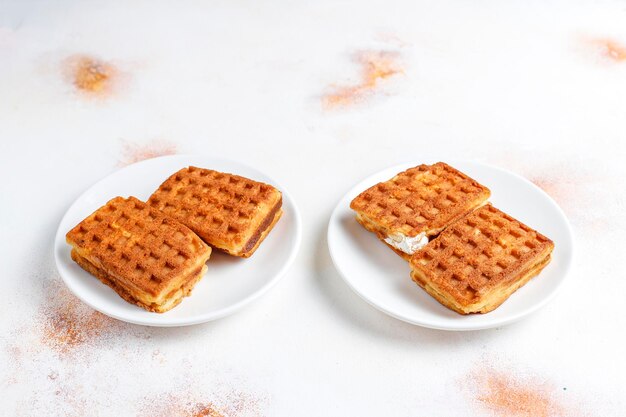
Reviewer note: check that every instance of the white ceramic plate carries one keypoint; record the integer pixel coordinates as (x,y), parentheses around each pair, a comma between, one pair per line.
(229,284)
(382,278)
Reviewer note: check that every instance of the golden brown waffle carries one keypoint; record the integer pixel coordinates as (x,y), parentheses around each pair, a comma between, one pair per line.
(475,264)
(228,212)
(424,199)
(148,258)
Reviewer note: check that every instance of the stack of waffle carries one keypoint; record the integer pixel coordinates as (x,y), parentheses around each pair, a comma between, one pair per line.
(153,254)
(464,252)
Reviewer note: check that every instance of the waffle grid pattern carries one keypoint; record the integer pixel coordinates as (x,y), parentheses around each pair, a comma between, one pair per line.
(479,252)
(214,204)
(138,243)
(421,198)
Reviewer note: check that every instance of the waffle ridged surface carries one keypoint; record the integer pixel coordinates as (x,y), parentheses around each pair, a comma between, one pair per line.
(424,199)
(228,212)
(148,258)
(479,261)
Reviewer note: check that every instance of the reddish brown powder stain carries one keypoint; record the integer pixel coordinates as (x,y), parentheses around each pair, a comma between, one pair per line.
(574,194)
(170,405)
(560,181)
(90,75)
(15,355)
(506,394)
(572,184)
(376,66)
(70,401)
(559,189)
(65,324)
(229,403)
(610,49)
(238,403)
(135,152)
(206,410)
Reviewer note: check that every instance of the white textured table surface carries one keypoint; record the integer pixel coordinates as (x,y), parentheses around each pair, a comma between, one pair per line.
(318,95)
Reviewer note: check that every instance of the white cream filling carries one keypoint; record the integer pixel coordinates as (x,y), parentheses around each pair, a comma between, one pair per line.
(407,244)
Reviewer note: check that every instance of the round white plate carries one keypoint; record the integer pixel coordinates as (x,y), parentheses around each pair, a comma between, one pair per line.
(229,284)
(382,278)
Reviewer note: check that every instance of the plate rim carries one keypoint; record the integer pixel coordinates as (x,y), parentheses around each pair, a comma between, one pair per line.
(201,318)
(362,185)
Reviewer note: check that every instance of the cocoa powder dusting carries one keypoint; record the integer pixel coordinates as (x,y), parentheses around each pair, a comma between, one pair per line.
(90,75)
(376,66)
(506,394)
(135,152)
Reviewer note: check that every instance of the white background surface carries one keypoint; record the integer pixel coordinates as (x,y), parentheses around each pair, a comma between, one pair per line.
(522,85)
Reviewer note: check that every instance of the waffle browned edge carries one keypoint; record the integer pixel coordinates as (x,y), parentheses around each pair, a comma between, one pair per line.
(112,283)
(259,234)
(445,301)
(191,277)
(371,226)
(263,230)
(508,283)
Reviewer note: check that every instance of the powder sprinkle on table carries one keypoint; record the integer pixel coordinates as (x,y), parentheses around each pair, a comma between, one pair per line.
(376,66)
(507,394)
(89,75)
(66,324)
(187,404)
(135,152)
(611,49)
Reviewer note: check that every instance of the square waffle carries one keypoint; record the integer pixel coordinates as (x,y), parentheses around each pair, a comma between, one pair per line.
(475,264)
(228,212)
(149,259)
(417,204)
